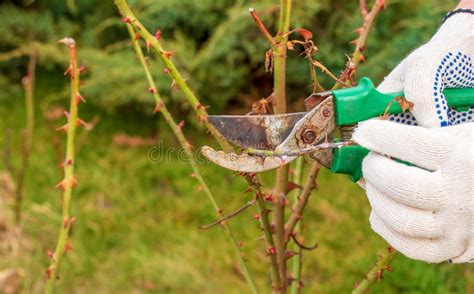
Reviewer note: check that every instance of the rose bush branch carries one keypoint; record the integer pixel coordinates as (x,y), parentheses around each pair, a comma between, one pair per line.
(297,259)
(302,200)
(165,57)
(28,82)
(357,56)
(69,181)
(175,127)
(347,75)
(375,274)
(279,51)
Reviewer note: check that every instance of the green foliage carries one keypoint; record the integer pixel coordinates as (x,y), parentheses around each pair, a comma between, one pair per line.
(137,222)
(217,45)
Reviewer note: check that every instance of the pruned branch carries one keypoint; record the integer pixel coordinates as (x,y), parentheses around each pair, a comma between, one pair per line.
(261,26)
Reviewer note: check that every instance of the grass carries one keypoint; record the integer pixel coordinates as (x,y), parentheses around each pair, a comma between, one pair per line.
(137,224)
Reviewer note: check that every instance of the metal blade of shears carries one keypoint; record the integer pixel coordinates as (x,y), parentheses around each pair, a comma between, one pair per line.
(264,132)
(303,137)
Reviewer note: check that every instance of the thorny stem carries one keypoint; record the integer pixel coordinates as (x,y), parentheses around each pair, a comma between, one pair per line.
(297,259)
(347,75)
(281,181)
(161,107)
(268,235)
(363,8)
(253,181)
(68,165)
(357,56)
(303,197)
(29,86)
(375,274)
(317,87)
(176,76)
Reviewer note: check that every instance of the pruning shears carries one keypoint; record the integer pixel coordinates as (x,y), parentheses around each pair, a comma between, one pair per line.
(271,141)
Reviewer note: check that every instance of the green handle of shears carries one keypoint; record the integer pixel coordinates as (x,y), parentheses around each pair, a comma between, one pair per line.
(362,102)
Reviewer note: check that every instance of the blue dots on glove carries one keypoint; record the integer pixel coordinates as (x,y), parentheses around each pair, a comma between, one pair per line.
(455,70)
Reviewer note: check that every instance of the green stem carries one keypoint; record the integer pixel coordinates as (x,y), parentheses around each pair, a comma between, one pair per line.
(68,182)
(29,86)
(360,43)
(173,71)
(375,274)
(281,181)
(297,259)
(127,13)
(303,198)
(184,143)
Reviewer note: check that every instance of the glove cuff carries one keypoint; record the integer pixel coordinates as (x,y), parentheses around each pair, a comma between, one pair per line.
(457,25)
(456,11)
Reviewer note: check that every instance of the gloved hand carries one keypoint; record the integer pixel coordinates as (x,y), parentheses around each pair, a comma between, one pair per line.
(426,212)
(446,61)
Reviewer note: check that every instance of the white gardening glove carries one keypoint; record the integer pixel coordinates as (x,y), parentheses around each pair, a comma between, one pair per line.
(446,61)
(426,212)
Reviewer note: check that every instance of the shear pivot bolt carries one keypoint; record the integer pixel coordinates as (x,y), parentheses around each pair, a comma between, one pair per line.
(308,136)
(326,112)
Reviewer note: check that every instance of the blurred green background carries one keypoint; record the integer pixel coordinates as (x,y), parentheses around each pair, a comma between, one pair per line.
(137,220)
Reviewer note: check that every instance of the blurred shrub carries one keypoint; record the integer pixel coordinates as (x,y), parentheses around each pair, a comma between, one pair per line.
(217,45)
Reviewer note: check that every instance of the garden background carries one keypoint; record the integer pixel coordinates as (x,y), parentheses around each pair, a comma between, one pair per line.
(137,220)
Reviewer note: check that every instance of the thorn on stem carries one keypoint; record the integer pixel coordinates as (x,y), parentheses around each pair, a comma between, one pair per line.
(79,98)
(126,20)
(67,246)
(49,272)
(158,34)
(168,54)
(157,107)
(271,250)
(68,222)
(68,70)
(148,45)
(268,198)
(174,85)
(63,128)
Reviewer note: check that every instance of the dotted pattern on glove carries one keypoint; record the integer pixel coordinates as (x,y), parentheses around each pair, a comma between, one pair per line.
(454,71)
